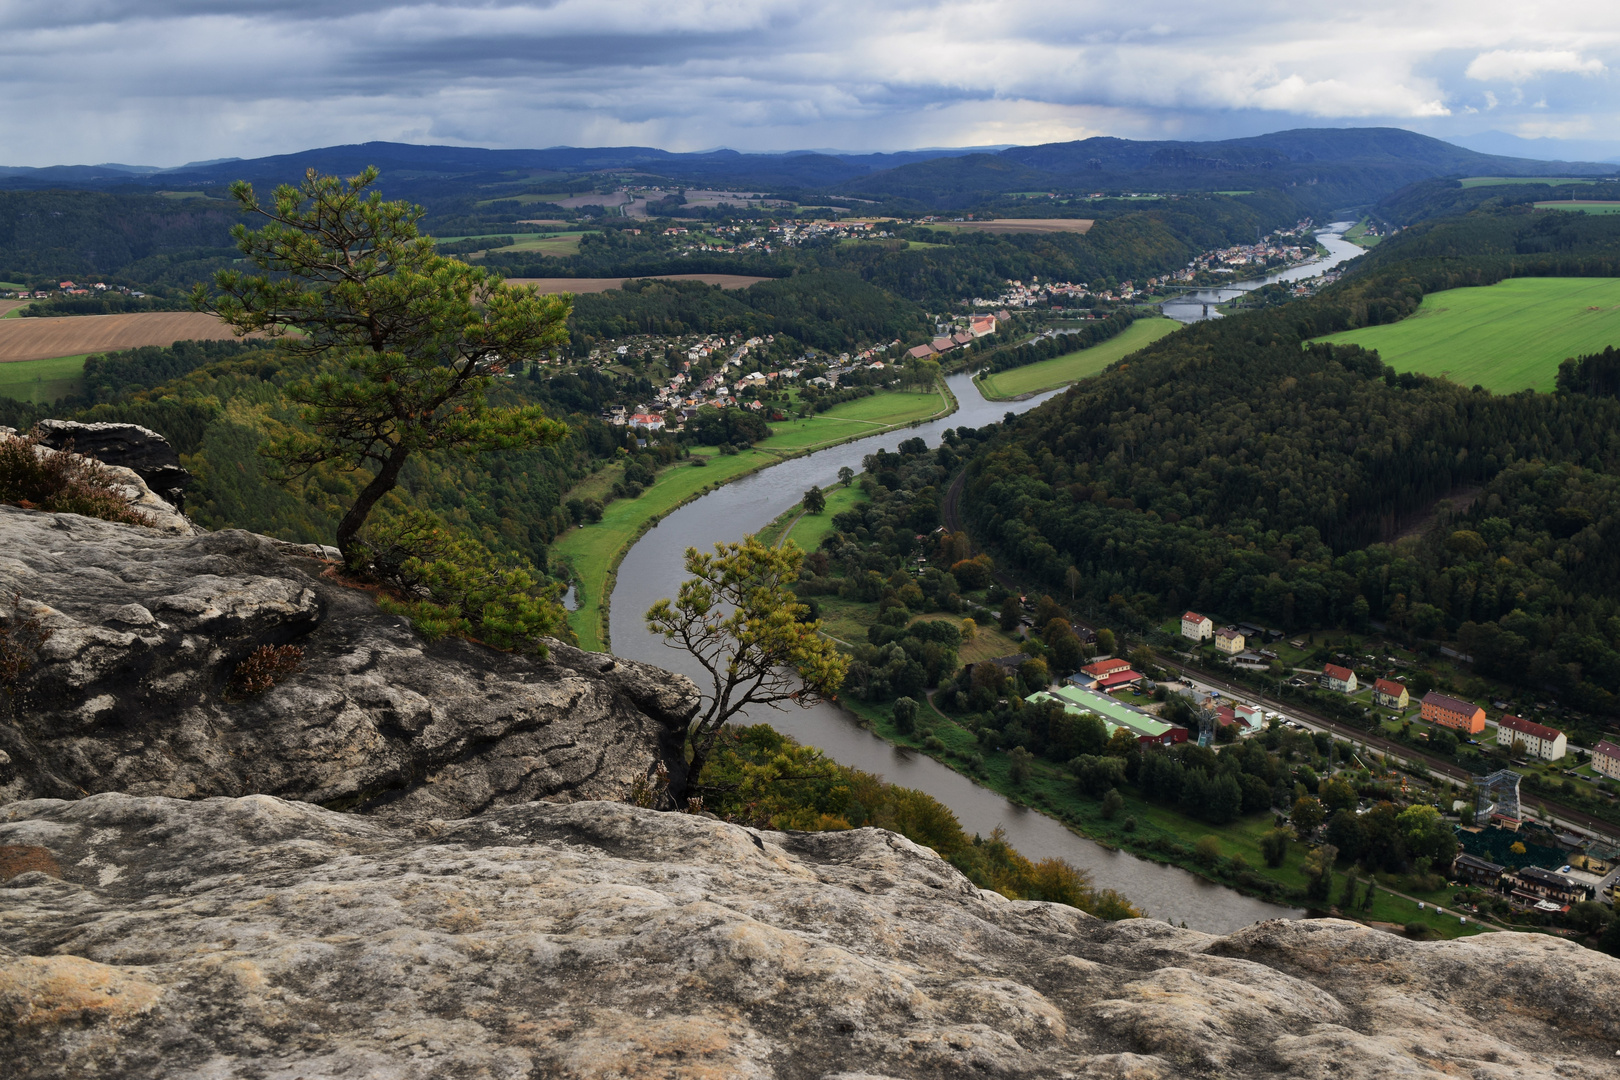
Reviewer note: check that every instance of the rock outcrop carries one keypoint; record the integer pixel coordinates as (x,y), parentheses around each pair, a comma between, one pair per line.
(126,446)
(131,691)
(150,937)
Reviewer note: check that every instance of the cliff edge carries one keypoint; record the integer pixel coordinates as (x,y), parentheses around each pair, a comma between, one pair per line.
(131,691)
(152,937)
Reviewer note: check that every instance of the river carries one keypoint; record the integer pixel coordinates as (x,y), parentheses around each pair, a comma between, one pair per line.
(1198,304)
(652,569)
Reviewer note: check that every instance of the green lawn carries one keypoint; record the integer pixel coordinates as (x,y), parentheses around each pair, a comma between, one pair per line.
(1506,337)
(1062,370)
(1497,181)
(42,381)
(1579,207)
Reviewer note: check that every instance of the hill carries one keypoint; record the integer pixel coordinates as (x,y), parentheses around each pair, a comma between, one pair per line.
(1351,165)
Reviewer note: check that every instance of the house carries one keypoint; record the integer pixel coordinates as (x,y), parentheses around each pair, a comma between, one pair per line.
(1476,871)
(1453,712)
(1109,683)
(1391,694)
(1250,715)
(1532,886)
(982,325)
(650,421)
(962,337)
(1106,667)
(1606,759)
(1229,641)
(1196,627)
(1540,741)
(1115,714)
(943,344)
(1339,678)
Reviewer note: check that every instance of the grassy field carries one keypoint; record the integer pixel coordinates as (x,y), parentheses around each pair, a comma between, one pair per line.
(558,243)
(42,381)
(1357,234)
(1497,181)
(808,530)
(1582,206)
(1062,370)
(852,419)
(593,551)
(1504,337)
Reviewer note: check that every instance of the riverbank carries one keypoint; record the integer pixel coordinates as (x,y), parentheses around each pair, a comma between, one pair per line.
(1153,831)
(592,553)
(1018,383)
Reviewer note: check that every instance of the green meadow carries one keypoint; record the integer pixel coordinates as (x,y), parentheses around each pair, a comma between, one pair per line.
(42,381)
(1505,337)
(593,552)
(1498,181)
(1062,370)
(1590,206)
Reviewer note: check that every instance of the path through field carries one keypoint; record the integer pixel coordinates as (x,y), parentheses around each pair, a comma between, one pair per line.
(73,335)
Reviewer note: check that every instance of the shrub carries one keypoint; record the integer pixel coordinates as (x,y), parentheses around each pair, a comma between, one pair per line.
(264,667)
(452,584)
(905,715)
(1207,850)
(1274,846)
(1112,803)
(21,635)
(61,483)
(1418,931)
(1129,824)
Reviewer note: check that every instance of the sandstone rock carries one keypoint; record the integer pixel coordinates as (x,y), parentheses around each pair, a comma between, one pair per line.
(128,446)
(131,691)
(163,515)
(149,937)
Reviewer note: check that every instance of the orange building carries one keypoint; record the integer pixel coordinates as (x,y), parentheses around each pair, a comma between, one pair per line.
(1452,712)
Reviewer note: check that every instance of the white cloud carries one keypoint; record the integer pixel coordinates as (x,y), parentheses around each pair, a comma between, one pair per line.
(164,81)
(1522,65)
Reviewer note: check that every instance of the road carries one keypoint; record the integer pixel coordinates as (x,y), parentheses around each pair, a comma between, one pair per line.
(1561,815)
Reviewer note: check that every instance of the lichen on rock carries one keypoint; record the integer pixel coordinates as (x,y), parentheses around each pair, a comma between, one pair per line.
(257,937)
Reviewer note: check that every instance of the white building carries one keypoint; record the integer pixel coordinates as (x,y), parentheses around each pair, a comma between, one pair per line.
(1540,741)
(1196,627)
(1606,759)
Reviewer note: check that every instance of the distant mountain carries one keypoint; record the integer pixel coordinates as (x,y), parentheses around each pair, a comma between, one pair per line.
(1321,168)
(1500,142)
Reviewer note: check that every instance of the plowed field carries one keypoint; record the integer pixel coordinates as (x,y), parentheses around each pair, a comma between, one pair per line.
(40,339)
(578,285)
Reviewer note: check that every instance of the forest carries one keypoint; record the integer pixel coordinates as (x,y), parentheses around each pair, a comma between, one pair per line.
(1236,467)
(830,310)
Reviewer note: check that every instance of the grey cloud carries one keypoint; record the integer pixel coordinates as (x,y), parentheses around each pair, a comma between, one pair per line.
(767,74)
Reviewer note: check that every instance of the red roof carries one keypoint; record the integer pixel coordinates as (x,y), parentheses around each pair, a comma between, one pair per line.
(1607,749)
(1334,671)
(1388,686)
(1192,616)
(1105,667)
(1529,727)
(1451,704)
(1118,678)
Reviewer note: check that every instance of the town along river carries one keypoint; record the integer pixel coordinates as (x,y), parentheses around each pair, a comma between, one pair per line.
(652,569)
(1196,305)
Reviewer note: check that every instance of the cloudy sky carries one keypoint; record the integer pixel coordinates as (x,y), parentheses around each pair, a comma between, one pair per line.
(162,82)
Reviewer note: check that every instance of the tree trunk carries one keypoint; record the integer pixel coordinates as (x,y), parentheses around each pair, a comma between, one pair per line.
(380,485)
